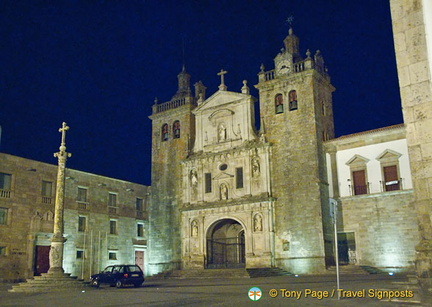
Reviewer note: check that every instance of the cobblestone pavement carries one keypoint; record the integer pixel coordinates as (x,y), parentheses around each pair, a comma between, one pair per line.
(222,292)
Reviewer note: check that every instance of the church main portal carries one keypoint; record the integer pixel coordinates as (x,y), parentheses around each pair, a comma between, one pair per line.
(225,245)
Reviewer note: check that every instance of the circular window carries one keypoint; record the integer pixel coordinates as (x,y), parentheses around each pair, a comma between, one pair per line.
(223,167)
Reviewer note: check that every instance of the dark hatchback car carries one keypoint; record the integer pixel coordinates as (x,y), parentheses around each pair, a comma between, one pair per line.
(119,275)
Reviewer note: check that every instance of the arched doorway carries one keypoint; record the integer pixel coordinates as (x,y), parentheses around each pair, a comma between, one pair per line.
(226,245)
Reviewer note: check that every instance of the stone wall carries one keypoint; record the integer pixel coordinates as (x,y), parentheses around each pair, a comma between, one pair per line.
(385,228)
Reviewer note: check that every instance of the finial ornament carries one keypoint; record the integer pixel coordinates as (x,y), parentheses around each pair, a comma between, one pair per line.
(222,86)
(62,147)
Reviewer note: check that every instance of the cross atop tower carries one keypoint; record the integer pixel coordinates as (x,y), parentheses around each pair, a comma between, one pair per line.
(222,86)
(62,148)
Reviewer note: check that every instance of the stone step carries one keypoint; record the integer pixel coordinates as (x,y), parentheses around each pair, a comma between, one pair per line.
(267,272)
(204,273)
(355,270)
(48,283)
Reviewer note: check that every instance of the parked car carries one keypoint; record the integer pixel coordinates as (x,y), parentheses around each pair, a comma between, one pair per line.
(119,275)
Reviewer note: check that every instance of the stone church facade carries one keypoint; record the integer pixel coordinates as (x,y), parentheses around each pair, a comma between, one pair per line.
(226,195)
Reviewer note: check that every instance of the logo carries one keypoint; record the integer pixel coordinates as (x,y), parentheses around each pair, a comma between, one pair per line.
(254,293)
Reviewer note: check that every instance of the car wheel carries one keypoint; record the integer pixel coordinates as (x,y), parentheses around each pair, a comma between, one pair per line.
(119,284)
(95,283)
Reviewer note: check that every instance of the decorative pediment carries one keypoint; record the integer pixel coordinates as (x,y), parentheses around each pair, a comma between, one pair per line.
(388,155)
(357,160)
(220,98)
(223,175)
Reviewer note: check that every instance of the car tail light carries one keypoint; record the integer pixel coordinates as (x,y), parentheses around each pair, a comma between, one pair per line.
(125,275)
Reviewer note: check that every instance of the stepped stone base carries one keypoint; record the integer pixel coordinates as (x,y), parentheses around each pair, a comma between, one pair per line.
(49,282)
(222,273)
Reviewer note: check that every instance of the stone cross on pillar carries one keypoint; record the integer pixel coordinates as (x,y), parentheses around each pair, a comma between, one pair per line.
(57,241)
(222,86)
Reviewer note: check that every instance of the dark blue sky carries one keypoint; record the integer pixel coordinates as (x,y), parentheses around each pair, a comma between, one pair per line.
(98,65)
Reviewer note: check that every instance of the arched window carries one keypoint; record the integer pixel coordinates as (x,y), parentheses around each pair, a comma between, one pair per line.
(176,129)
(279,104)
(292,100)
(164,132)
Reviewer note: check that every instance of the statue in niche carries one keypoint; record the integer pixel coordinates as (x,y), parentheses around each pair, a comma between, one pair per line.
(222,133)
(194,178)
(258,222)
(223,191)
(194,228)
(255,167)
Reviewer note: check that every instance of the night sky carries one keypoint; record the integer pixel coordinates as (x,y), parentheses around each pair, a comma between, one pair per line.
(98,65)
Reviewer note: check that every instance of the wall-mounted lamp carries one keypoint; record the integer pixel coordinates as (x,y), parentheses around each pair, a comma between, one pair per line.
(102,184)
(129,190)
(70,178)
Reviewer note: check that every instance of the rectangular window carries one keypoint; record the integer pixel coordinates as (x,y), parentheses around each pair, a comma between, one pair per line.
(112,255)
(208,182)
(80,254)
(2,250)
(5,185)
(5,181)
(3,216)
(112,200)
(47,188)
(82,221)
(82,195)
(391,178)
(139,204)
(140,230)
(113,227)
(359,179)
(239,177)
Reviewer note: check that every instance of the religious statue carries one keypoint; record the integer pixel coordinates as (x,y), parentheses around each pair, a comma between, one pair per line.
(194,178)
(222,132)
(194,228)
(255,167)
(223,191)
(258,222)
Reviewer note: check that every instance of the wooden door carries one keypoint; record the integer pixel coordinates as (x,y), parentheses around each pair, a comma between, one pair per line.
(41,259)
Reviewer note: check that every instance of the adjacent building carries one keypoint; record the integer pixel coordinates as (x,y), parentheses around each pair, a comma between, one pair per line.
(105,220)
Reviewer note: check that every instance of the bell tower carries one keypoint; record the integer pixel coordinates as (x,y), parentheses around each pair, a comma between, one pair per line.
(297,117)
(173,132)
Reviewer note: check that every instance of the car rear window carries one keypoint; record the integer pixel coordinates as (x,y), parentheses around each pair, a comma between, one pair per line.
(134,268)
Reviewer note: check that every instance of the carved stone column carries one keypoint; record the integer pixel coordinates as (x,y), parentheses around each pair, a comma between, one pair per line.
(57,241)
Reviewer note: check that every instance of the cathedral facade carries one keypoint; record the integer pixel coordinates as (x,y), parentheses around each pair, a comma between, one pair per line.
(226,195)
